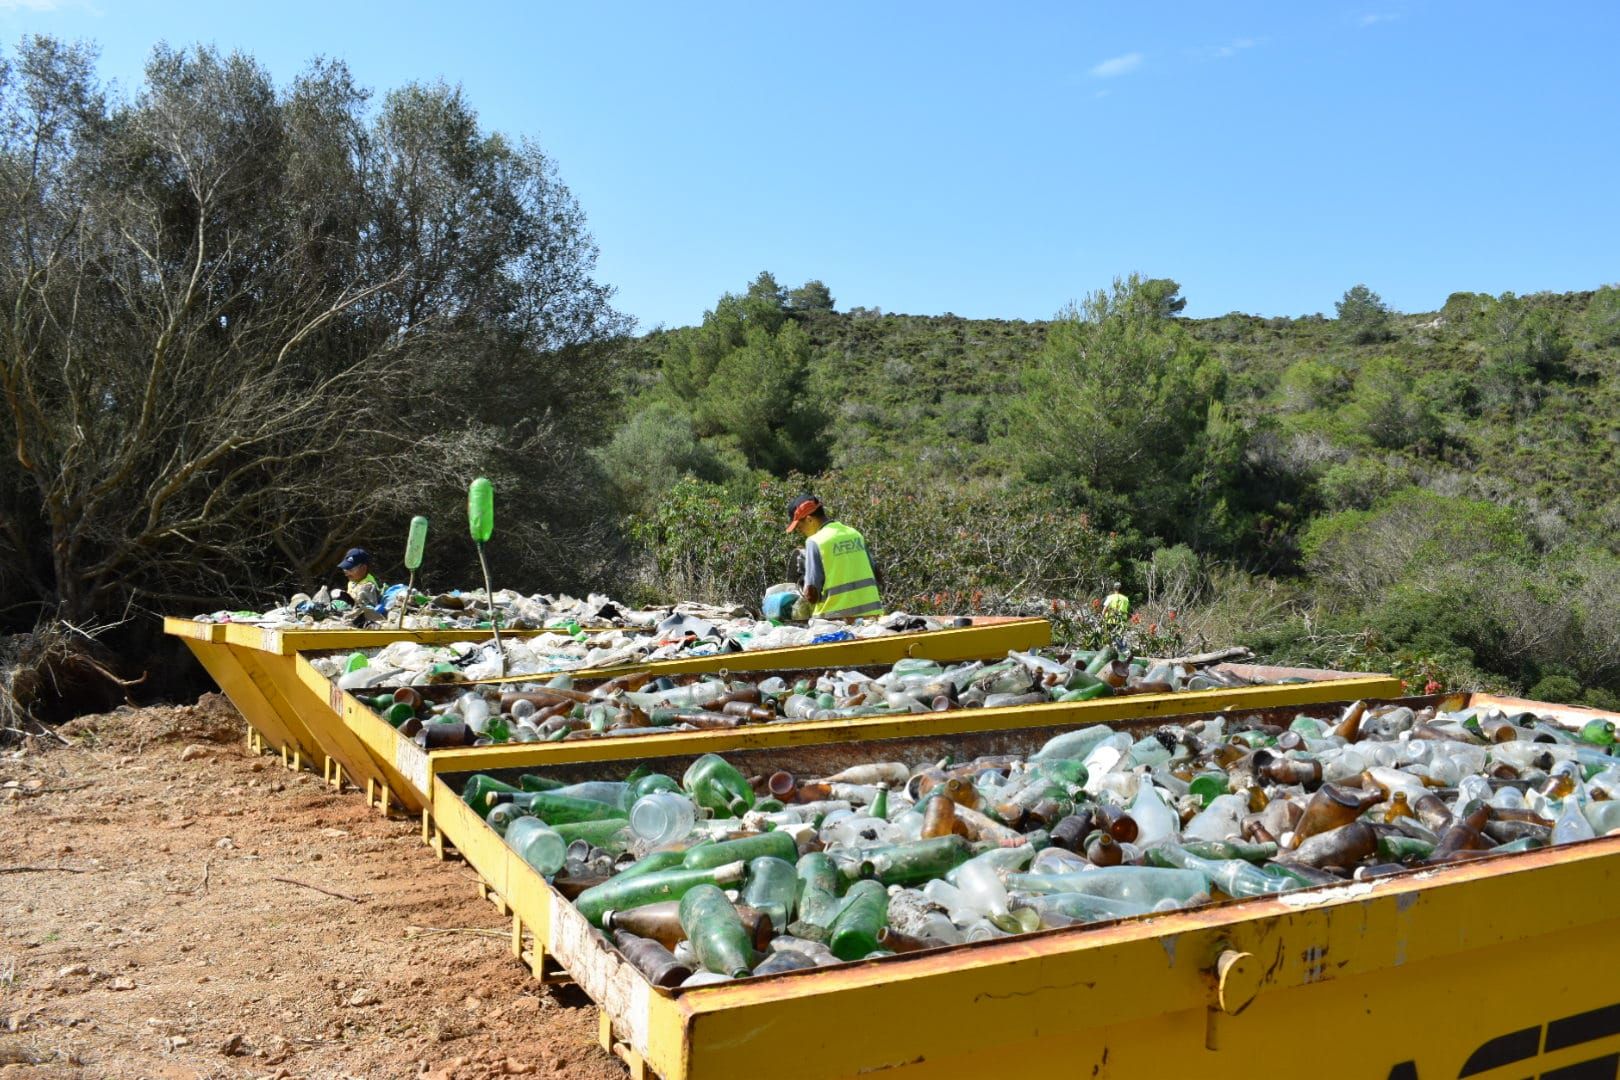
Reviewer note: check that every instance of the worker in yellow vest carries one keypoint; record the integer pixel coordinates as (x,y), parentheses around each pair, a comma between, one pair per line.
(1117,603)
(839,582)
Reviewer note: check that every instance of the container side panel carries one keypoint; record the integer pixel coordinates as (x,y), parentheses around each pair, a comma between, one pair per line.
(318,717)
(259,667)
(387,750)
(1370,965)
(249,699)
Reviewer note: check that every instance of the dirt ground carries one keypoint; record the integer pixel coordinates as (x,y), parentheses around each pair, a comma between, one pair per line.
(144,933)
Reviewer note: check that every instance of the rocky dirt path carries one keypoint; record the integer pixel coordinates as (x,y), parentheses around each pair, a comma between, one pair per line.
(143,933)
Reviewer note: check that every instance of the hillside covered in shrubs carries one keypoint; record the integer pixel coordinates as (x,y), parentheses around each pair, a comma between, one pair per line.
(1434,492)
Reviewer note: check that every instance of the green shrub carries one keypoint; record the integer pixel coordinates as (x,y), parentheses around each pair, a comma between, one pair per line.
(651,452)
(1363,315)
(1556,688)
(1603,316)
(1312,384)
(1413,534)
(1598,698)
(1387,408)
(961,546)
(1361,482)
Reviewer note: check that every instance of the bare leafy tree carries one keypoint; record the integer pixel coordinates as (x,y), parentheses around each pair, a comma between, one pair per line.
(246,327)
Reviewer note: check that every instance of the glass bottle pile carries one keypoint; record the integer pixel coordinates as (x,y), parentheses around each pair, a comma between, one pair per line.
(716,875)
(438,711)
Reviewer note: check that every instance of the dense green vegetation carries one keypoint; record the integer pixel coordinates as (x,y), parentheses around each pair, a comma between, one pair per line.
(1434,493)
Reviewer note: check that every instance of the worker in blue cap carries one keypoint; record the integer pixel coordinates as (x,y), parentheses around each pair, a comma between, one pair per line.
(363,588)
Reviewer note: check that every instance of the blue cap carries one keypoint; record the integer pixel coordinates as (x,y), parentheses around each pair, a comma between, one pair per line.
(354,558)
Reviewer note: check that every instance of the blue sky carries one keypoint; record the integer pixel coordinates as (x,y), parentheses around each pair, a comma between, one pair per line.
(940,157)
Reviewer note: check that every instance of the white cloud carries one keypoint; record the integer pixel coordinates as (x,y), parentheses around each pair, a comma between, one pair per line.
(1117,65)
(1374,18)
(46,7)
(1234,47)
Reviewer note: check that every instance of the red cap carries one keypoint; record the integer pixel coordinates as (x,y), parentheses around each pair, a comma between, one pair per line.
(801,508)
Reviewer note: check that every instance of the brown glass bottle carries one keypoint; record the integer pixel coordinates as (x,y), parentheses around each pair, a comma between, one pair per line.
(963,793)
(897,942)
(1432,812)
(1465,834)
(1070,833)
(661,922)
(744,710)
(1399,808)
(1349,726)
(1115,822)
(1344,847)
(939,817)
(782,786)
(1308,774)
(1331,807)
(1103,851)
(652,959)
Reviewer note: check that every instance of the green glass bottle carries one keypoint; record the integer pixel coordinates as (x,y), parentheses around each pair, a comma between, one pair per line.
(416,542)
(717,785)
(479,786)
(611,835)
(920,860)
(501,816)
(1070,772)
(716,931)
(1141,884)
(397,713)
(818,889)
(1087,693)
(1231,849)
(1397,848)
(1598,733)
(537,844)
(668,859)
(1080,678)
(1232,876)
(1208,785)
(778,845)
(772,887)
(865,913)
(556,809)
(1523,843)
(530,782)
(651,782)
(622,891)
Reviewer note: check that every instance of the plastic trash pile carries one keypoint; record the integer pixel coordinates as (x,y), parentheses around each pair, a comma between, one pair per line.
(716,875)
(437,709)
(674,635)
(466,610)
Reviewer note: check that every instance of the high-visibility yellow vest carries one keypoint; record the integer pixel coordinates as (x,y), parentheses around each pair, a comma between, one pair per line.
(1117,604)
(849,590)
